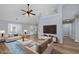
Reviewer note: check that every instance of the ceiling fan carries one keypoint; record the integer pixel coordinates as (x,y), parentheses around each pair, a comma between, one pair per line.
(28,12)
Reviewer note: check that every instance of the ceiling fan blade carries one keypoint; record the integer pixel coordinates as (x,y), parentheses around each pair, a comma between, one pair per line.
(32,13)
(23,13)
(24,10)
(30,10)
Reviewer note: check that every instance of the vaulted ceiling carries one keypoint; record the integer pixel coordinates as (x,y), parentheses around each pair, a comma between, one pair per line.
(12,12)
(70,10)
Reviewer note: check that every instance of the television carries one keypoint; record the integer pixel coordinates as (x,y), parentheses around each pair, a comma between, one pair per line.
(50,29)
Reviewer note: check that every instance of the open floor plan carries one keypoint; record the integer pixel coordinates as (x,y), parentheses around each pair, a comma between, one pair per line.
(39,29)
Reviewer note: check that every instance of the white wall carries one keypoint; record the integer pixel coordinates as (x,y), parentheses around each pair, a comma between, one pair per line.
(4,26)
(77,30)
(73,30)
(52,20)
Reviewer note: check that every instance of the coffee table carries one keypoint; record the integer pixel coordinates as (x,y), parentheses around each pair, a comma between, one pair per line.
(29,46)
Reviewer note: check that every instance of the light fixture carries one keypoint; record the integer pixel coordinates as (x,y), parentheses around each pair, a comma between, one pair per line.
(28,12)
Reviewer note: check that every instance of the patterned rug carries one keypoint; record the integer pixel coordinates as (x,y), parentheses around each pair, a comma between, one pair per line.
(14,48)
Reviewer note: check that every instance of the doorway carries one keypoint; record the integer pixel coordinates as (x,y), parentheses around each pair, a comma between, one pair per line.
(68,33)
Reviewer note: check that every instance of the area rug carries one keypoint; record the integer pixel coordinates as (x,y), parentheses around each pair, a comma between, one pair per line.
(14,48)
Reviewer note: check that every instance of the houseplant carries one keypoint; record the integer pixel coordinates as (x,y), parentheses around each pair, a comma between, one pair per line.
(22,36)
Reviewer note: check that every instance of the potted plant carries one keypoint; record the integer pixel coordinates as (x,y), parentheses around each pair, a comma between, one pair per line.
(22,37)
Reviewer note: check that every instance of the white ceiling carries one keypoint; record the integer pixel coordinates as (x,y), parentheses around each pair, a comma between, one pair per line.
(70,10)
(12,11)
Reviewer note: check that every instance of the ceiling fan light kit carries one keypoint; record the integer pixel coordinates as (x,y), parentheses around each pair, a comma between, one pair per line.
(28,12)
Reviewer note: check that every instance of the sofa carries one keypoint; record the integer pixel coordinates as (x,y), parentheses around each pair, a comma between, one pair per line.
(9,38)
(2,39)
(13,37)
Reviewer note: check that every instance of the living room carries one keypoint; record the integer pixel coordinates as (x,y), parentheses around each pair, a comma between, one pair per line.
(13,24)
(25,25)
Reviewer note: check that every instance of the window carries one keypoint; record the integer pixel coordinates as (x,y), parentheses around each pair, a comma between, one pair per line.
(14,28)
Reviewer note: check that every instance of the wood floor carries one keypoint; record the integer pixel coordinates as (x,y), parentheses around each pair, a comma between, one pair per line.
(3,49)
(69,46)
